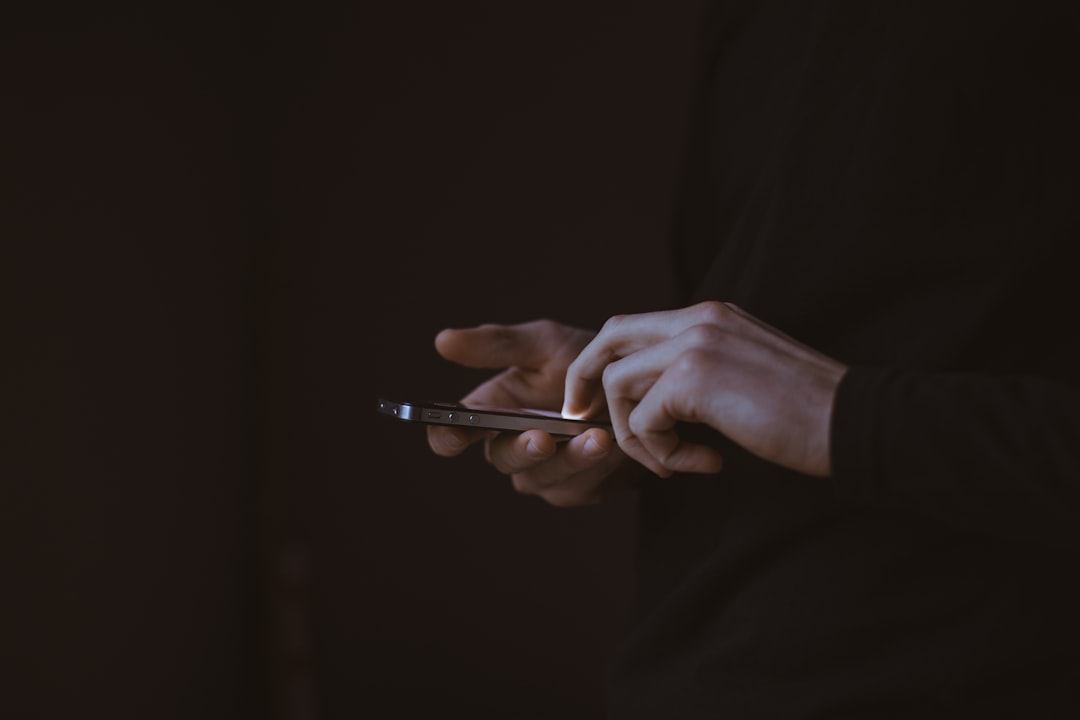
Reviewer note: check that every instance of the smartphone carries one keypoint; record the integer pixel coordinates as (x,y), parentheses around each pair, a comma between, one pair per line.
(487,417)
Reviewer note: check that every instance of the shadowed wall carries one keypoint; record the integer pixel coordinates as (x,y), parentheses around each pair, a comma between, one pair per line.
(224,234)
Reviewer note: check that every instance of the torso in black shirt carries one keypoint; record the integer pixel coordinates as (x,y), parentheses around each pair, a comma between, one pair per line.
(894,184)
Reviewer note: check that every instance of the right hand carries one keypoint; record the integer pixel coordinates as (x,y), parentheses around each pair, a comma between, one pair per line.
(533,358)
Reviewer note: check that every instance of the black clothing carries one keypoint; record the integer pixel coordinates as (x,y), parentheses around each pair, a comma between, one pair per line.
(896,184)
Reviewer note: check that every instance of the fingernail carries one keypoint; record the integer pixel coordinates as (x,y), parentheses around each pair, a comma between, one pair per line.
(535,451)
(594,449)
(455,440)
(568,412)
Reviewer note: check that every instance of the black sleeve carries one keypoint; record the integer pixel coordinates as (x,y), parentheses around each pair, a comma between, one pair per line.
(994,454)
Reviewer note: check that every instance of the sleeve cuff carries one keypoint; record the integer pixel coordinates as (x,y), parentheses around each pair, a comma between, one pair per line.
(854,435)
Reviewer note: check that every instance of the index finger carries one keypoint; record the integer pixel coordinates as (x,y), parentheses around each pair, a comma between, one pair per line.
(621,335)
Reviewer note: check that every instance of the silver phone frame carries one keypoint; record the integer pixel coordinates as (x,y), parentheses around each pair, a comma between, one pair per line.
(485,418)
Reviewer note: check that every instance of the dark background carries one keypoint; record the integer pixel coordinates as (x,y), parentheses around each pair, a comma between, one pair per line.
(224,231)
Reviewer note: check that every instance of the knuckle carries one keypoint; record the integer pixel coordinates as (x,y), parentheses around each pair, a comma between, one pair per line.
(544,326)
(499,335)
(691,362)
(704,334)
(714,312)
(498,331)
(613,323)
(610,378)
(512,375)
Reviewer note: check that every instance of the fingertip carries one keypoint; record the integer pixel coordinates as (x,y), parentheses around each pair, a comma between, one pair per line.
(538,445)
(596,444)
(447,441)
(571,408)
(591,443)
(443,338)
(570,412)
(593,449)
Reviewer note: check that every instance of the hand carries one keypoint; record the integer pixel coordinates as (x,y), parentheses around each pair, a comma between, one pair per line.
(533,358)
(710,363)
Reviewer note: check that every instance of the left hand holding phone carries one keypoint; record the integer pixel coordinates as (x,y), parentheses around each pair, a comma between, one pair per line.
(532,359)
